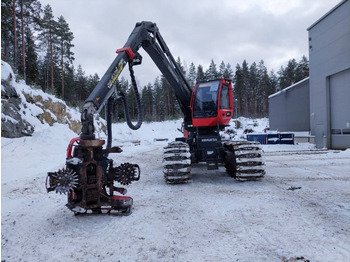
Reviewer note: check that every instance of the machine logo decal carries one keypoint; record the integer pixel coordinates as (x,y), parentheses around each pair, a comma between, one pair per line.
(116,73)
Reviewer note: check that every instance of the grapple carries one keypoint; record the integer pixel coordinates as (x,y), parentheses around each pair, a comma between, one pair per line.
(89,176)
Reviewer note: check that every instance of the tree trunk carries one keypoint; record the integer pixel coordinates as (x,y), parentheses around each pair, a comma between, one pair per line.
(62,77)
(14,33)
(51,65)
(23,46)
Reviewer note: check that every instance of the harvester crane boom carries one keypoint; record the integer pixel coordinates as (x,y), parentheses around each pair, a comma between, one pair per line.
(146,35)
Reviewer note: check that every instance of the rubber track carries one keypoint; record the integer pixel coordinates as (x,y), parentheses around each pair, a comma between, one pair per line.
(249,159)
(177,163)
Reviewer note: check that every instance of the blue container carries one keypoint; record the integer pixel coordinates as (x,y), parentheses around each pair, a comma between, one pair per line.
(261,138)
(280,138)
(273,139)
(287,138)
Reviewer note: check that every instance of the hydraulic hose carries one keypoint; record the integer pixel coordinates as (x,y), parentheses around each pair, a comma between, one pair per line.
(138,102)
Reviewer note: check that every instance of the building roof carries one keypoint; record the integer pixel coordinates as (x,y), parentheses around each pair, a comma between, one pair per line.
(290,87)
(327,14)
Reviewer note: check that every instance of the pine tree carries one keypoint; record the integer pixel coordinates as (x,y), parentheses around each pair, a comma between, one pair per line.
(150,101)
(302,69)
(122,86)
(131,100)
(159,103)
(274,83)
(70,88)
(293,72)
(92,82)
(166,89)
(253,89)
(263,86)
(212,72)
(80,84)
(25,22)
(147,102)
(14,25)
(30,15)
(23,59)
(32,71)
(245,87)
(6,29)
(200,73)
(65,38)
(228,72)
(191,78)
(179,63)
(238,89)
(48,40)
(287,76)
(222,69)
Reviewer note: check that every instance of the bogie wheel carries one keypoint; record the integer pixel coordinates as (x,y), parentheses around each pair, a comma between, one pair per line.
(177,163)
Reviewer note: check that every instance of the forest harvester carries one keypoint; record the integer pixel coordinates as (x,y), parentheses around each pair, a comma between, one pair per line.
(89,175)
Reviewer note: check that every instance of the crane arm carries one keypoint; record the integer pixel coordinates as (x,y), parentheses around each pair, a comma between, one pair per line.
(147,36)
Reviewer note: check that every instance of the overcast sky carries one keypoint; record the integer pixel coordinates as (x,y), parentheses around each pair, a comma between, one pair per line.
(195,30)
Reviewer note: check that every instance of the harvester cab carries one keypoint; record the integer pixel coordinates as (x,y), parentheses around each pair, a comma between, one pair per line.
(212,103)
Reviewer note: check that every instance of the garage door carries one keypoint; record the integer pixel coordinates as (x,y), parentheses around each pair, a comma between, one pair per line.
(340,109)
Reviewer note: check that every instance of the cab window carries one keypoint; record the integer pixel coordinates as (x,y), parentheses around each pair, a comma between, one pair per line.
(205,101)
(225,98)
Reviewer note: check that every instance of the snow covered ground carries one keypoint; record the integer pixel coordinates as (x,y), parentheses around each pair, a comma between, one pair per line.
(300,209)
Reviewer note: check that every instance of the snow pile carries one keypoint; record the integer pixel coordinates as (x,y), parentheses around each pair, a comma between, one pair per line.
(238,128)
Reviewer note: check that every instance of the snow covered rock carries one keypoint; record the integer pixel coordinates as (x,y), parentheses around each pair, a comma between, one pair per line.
(23,108)
(12,124)
(53,111)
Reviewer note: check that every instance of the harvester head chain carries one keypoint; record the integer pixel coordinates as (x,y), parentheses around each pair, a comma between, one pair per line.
(177,163)
(62,181)
(126,173)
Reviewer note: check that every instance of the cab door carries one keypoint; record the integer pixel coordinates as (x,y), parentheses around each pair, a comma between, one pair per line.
(225,105)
